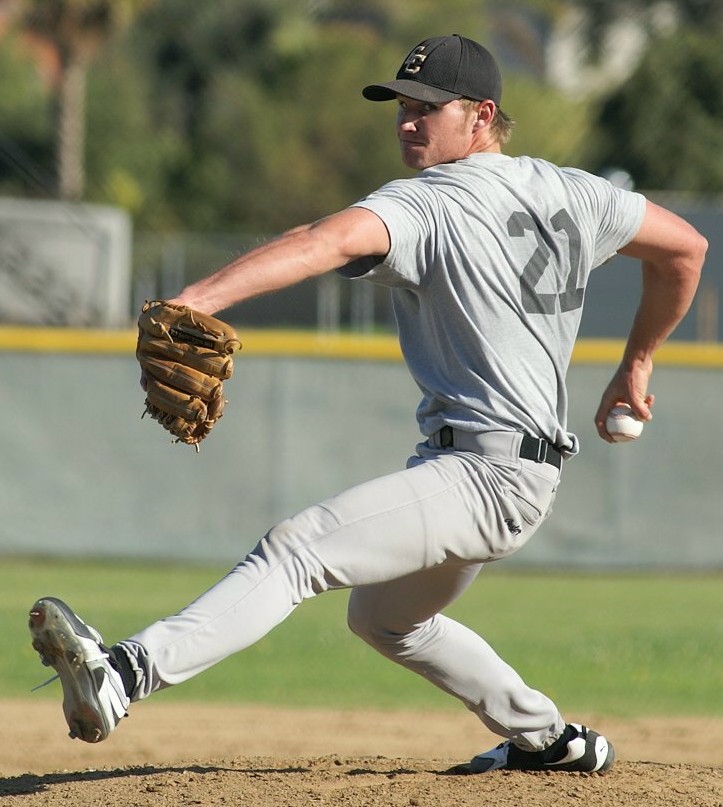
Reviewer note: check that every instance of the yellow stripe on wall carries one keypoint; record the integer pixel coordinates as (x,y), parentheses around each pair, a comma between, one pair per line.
(311,344)
(684,354)
(66,340)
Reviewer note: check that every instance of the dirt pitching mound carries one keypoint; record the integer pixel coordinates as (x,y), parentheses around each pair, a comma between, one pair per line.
(168,755)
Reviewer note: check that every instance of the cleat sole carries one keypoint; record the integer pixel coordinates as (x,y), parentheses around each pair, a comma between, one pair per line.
(60,648)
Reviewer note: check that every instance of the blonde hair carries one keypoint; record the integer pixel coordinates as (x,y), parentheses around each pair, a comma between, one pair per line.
(502,124)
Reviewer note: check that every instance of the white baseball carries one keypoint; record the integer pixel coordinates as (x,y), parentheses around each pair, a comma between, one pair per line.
(623,424)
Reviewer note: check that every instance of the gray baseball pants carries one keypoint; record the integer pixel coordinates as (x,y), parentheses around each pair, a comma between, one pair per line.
(407,544)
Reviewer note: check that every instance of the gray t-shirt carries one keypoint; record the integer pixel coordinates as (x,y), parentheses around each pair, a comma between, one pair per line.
(488,265)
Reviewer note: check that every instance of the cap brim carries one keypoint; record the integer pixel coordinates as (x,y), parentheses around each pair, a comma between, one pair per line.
(409,89)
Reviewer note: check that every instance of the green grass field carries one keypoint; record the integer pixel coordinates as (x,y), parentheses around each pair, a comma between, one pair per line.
(622,645)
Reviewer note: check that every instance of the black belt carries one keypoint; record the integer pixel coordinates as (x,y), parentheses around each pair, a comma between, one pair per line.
(531,448)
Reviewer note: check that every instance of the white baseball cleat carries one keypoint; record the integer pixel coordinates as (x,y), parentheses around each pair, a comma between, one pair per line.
(579,749)
(94,699)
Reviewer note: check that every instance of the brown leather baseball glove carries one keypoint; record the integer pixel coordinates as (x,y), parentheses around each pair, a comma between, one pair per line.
(185,356)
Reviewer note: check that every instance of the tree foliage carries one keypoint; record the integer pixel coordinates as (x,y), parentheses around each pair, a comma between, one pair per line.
(665,125)
(73,32)
(130,154)
(600,15)
(248,115)
(26,134)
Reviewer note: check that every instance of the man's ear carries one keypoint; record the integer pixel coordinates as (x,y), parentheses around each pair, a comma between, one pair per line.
(485,114)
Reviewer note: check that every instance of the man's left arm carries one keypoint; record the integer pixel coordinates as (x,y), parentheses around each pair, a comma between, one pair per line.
(298,254)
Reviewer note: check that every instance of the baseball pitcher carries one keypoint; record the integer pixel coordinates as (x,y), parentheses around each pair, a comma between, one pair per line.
(487,258)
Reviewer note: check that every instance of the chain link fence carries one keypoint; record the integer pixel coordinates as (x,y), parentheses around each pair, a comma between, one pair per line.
(163,265)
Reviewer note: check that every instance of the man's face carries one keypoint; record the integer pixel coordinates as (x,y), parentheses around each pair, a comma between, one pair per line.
(430,134)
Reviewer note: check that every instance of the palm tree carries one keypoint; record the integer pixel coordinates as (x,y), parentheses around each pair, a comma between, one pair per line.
(73,32)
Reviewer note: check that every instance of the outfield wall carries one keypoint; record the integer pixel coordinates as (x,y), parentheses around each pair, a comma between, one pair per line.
(83,475)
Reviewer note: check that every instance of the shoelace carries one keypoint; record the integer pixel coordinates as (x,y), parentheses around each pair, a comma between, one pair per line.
(45,683)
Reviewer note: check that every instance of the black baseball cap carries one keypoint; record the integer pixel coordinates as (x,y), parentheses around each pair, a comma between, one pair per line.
(442,69)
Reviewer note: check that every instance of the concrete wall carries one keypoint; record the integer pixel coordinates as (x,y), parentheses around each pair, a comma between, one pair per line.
(64,264)
(83,475)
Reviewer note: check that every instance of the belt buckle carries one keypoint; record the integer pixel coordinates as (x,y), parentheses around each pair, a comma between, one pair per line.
(542,446)
(446,437)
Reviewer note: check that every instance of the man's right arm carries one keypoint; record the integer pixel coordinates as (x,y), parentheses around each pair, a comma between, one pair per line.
(672,253)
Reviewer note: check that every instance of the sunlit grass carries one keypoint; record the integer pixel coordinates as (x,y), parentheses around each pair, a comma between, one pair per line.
(615,644)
